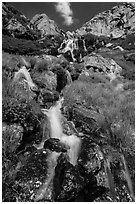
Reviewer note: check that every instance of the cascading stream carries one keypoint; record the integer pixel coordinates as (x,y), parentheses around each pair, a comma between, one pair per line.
(56,131)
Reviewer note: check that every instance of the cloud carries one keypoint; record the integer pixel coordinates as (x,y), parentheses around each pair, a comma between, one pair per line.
(66,12)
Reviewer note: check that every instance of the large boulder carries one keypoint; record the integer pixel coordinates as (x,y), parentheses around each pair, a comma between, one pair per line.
(28,178)
(103,65)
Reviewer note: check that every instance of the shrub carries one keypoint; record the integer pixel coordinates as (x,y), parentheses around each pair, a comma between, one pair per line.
(41,66)
(20,46)
(23,111)
(32,62)
(128,69)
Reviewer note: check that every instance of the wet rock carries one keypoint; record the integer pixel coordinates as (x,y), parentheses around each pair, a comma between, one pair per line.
(75,183)
(55,144)
(30,177)
(67,181)
(92,192)
(90,155)
(47,97)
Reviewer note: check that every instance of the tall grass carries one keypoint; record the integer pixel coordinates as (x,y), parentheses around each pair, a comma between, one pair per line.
(116,123)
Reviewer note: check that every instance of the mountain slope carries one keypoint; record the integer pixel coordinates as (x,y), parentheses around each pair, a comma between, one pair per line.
(115,23)
(15,24)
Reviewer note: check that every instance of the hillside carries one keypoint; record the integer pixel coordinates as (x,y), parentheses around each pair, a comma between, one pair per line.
(117,22)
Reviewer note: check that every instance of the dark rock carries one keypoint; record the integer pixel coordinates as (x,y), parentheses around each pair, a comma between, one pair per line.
(90,156)
(56,96)
(85,120)
(67,181)
(62,77)
(55,144)
(92,192)
(75,183)
(8,194)
(47,97)
(29,178)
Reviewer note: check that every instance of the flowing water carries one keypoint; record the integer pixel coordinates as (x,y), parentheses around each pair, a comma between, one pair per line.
(56,131)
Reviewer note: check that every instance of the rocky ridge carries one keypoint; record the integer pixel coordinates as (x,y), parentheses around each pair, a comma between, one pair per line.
(47,26)
(115,23)
(15,24)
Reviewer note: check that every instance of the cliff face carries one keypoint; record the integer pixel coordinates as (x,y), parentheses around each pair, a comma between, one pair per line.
(47,26)
(117,22)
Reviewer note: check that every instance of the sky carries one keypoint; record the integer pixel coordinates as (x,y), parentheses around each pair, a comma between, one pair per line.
(68,16)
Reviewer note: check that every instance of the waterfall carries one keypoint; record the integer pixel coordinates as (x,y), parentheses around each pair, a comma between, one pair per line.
(69,79)
(56,131)
(43,190)
(74,142)
(54,117)
(84,45)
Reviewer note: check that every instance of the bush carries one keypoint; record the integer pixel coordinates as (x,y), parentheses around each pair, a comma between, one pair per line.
(20,46)
(41,66)
(128,69)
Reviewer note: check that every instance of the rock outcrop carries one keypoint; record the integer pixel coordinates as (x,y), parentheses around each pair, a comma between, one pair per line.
(115,23)
(102,65)
(47,26)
